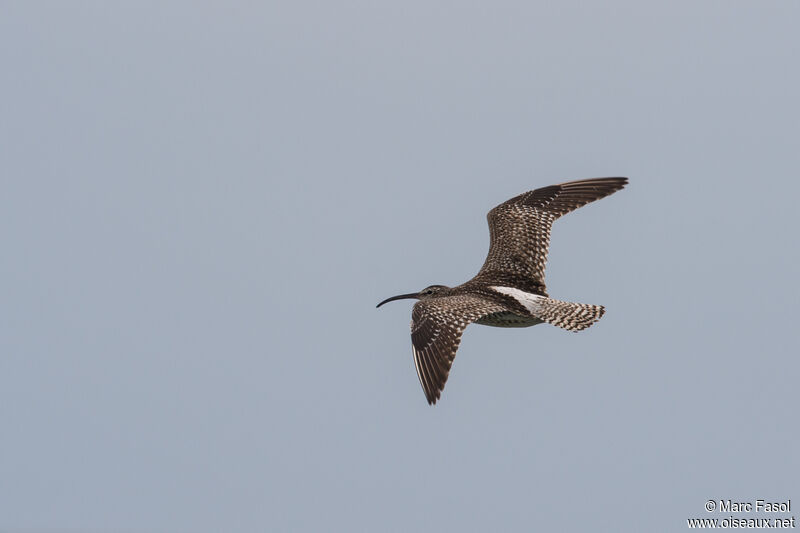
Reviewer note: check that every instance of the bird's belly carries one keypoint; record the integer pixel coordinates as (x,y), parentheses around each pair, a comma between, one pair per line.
(508,319)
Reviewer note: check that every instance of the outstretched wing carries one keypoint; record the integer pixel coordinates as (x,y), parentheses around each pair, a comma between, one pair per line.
(436,328)
(519,230)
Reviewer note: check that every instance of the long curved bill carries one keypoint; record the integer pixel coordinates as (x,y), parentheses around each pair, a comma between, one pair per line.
(400,297)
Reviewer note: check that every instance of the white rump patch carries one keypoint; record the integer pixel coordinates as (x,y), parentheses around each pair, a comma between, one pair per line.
(528,300)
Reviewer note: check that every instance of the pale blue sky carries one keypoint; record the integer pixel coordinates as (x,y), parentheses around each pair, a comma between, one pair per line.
(203,202)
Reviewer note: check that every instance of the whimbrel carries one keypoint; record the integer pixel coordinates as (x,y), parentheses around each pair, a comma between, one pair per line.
(509,290)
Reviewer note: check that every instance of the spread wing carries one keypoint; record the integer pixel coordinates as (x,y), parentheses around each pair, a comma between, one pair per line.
(519,230)
(436,328)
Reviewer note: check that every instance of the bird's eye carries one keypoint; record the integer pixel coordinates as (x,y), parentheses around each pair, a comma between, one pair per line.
(429,291)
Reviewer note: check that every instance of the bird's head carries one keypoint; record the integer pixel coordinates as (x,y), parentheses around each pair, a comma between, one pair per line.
(424,294)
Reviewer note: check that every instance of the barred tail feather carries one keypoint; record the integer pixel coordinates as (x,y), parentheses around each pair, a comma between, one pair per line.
(568,315)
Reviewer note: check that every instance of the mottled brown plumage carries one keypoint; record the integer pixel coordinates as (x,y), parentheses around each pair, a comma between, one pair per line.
(519,230)
(509,290)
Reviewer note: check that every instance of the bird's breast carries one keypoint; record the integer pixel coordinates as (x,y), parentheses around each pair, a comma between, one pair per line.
(507,319)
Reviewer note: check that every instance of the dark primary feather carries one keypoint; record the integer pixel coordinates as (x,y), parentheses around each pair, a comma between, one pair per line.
(519,230)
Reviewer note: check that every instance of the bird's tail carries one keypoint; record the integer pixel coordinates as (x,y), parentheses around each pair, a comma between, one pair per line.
(568,315)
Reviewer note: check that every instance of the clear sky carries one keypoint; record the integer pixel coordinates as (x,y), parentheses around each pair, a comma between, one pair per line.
(201,203)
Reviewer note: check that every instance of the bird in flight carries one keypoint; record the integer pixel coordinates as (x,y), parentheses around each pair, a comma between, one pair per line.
(509,291)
